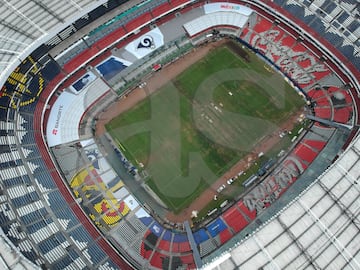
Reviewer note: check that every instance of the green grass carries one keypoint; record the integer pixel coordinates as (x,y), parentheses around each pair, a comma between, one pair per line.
(186,143)
(178,203)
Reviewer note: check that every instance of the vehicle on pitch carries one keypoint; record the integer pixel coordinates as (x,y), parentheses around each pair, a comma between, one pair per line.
(221,188)
(230,181)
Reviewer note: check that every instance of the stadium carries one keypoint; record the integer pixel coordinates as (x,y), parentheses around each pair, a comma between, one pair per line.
(73,194)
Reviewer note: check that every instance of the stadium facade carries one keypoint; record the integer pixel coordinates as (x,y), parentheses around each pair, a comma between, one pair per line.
(48,46)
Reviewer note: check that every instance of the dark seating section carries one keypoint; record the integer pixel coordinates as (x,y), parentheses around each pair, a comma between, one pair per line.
(26,205)
(82,22)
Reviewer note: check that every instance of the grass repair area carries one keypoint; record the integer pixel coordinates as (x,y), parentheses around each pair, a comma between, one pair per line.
(195,128)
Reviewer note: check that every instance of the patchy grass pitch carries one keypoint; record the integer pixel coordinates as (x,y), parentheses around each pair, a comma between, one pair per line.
(196,127)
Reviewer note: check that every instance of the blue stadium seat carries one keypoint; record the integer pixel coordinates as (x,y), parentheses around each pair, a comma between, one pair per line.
(80,234)
(28,138)
(56,200)
(31,255)
(317,25)
(328,7)
(39,162)
(33,151)
(3,218)
(299,12)
(45,179)
(34,86)
(29,118)
(32,228)
(26,199)
(66,260)
(280,2)
(215,227)
(200,236)
(333,38)
(352,27)
(180,237)
(348,51)
(96,254)
(342,17)
(50,71)
(63,262)
(66,214)
(52,242)
(29,108)
(25,179)
(156,228)
(109,264)
(34,216)
(167,235)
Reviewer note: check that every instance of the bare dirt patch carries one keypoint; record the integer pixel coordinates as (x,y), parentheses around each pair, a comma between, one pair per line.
(155,82)
(264,146)
(238,50)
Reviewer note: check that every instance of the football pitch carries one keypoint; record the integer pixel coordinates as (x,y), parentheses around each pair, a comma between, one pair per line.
(194,129)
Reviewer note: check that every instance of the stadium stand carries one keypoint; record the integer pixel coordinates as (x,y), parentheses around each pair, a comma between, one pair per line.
(43,220)
(234,219)
(325,212)
(29,203)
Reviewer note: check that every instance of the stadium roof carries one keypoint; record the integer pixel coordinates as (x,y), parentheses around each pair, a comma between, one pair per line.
(25,25)
(12,259)
(319,228)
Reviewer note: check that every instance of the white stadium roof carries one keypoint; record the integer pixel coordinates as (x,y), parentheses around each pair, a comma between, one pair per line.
(12,259)
(25,25)
(319,228)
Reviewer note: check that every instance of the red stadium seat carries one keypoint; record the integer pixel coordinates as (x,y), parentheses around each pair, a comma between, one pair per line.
(177,3)
(323,112)
(157,260)
(279,34)
(315,144)
(262,25)
(322,101)
(299,47)
(100,58)
(235,219)
(111,38)
(246,211)
(164,245)
(145,248)
(315,94)
(305,153)
(225,236)
(189,261)
(80,59)
(342,115)
(288,41)
(160,10)
(138,22)
(181,247)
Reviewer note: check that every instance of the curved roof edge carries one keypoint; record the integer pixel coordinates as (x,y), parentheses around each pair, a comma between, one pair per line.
(11,257)
(44,38)
(305,202)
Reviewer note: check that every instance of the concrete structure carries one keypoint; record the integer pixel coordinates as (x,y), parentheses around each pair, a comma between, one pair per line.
(43,42)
